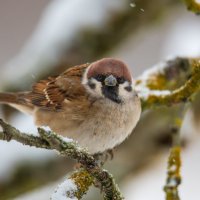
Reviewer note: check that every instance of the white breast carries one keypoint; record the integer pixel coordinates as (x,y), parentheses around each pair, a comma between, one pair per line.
(106,124)
(109,126)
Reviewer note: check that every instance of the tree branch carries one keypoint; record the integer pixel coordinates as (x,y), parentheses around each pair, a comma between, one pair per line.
(173,169)
(193,6)
(11,133)
(68,148)
(173,178)
(174,160)
(157,86)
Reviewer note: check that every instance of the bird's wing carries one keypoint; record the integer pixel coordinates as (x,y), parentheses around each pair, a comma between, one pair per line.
(53,92)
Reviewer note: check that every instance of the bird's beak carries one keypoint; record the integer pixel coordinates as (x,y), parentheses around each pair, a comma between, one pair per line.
(110,81)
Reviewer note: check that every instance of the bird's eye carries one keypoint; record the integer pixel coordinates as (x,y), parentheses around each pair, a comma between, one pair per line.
(100,77)
(120,80)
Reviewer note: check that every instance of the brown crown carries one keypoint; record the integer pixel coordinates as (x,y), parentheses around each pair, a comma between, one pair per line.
(107,66)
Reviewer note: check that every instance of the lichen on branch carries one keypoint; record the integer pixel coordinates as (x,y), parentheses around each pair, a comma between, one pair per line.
(164,83)
(193,6)
(74,187)
(173,171)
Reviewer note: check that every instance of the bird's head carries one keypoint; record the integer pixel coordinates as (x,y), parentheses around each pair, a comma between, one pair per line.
(109,78)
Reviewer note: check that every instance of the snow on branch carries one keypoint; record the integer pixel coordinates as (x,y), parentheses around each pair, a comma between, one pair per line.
(74,187)
(65,191)
(170,82)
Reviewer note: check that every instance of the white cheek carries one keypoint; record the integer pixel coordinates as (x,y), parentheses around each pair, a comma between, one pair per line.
(97,91)
(98,88)
(123,93)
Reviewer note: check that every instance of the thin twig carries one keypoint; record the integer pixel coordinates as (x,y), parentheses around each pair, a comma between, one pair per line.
(173,174)
(174,161)
(11,133)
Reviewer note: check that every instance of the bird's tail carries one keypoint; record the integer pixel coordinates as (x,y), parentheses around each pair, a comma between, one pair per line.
(7,98)
(16,100)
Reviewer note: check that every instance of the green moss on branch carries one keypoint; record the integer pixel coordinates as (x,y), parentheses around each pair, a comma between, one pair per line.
(173,171)
(83,180)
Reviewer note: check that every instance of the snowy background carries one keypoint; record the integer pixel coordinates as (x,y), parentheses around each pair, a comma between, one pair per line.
(34,37)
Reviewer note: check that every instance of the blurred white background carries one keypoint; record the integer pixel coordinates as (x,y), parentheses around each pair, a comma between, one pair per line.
(33,36)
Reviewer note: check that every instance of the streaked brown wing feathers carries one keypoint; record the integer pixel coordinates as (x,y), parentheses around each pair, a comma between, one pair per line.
(51,93)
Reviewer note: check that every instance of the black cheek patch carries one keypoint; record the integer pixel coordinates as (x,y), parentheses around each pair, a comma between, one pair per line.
(128,88)
(91,85)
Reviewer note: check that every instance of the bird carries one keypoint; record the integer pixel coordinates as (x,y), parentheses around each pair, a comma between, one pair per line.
(94,104)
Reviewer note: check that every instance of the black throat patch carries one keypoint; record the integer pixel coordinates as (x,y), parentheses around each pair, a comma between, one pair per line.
(112,93)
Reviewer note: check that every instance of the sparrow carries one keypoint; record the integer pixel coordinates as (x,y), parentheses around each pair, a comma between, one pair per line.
(94,103)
